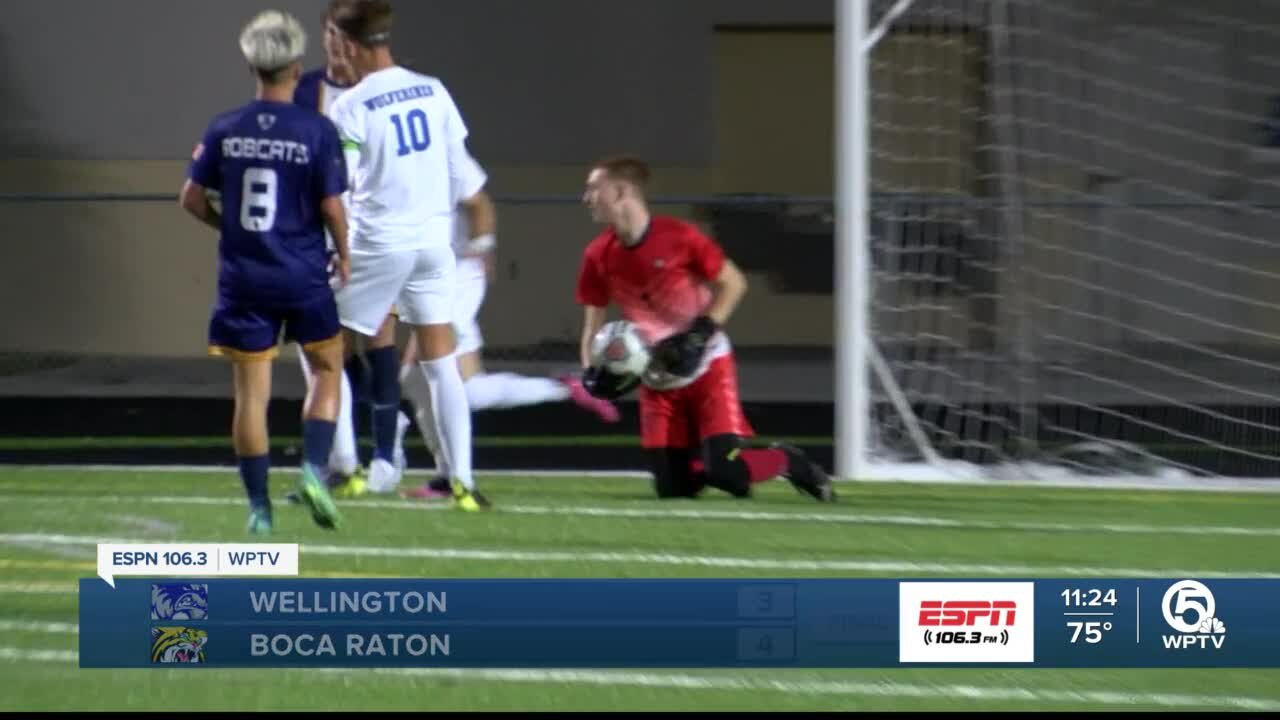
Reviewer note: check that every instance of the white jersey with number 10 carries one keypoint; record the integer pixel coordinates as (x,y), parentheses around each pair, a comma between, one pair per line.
(405,143)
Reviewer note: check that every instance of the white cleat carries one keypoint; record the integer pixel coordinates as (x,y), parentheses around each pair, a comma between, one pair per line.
(383,476)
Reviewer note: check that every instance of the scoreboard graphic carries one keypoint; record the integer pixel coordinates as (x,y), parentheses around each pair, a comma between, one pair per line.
(873,623)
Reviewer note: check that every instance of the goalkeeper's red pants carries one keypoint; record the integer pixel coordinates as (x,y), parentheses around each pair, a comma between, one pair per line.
(684,417)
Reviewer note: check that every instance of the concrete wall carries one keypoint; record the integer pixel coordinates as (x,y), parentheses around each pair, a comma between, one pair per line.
(545,87)
(1105,98)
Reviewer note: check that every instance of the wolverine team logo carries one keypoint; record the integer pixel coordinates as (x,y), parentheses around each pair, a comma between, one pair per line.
(179,601)
(979,622)
(177,645)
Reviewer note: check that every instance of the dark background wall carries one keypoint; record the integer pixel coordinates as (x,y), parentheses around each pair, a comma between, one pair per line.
(546,82)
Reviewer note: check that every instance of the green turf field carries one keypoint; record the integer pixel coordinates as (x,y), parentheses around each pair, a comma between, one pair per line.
(609,527)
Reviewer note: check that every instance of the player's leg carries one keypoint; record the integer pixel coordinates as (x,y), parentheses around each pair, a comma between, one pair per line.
(343,460)
(252,381)
(504,390)
(427,304)
(384,395)
(376,279)
(723,429)
(493,391)
(673,475)
(664,435)
(414,384)
(316,330)
(248,338)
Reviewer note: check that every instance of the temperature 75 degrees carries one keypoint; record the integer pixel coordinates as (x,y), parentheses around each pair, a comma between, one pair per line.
(1092,630)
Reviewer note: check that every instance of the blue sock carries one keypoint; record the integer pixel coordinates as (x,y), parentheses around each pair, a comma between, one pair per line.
(359,378)
(253,472)
(317,441)
(384,391)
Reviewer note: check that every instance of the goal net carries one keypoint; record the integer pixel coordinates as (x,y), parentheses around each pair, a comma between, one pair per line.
(1075,242)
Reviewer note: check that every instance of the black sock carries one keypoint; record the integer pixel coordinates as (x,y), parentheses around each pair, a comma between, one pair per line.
(384,384)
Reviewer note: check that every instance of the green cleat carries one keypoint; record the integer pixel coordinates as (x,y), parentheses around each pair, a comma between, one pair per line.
(469,500)
(260,520)
(314,493)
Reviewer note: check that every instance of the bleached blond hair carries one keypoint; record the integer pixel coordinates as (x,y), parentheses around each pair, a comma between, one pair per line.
(272,40)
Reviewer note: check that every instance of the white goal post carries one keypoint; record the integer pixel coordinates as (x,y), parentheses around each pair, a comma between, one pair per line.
(1057,239)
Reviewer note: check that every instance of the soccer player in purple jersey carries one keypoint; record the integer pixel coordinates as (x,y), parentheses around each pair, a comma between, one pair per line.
(280,172)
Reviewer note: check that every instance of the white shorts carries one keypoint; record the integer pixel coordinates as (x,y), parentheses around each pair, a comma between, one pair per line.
(420,284)
(466,306)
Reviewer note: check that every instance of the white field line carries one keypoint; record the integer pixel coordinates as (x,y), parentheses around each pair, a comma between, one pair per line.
(1217,484)
(31,626)
(724,683)
(776,564)
(835,517)
(23,587)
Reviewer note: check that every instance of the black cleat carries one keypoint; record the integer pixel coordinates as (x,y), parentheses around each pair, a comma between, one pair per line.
(440,484)
(481,500)
(806,475)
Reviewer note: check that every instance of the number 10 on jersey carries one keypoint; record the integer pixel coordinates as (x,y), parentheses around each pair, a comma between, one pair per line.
(414,126)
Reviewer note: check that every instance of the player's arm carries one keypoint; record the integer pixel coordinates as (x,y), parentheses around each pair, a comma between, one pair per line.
(335,220)
(682,353)
(598,379)
(482,219)
(593,295)
(467,180)
(592,320)
(332,182)
(350,128)
(727,289)
(204,172)
(194,200)
(482,222)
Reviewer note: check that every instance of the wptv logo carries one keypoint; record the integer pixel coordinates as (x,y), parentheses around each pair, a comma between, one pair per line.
(976,622)
(1190,608)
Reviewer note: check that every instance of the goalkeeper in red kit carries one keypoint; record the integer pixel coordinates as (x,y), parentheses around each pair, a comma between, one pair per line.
(679,289)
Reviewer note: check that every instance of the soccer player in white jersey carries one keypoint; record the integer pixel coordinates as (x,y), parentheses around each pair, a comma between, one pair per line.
(484,390)
(406,147)
(318,89)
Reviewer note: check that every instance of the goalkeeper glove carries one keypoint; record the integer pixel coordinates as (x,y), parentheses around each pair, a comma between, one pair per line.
(606,385)
(681,354)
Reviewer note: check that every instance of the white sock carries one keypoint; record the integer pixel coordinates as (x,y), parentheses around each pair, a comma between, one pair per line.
(413,383)
(342,458)
(452,415)
(507,390)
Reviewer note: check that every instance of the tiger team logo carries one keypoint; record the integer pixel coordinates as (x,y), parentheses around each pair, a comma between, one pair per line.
(177,645)
(179,601)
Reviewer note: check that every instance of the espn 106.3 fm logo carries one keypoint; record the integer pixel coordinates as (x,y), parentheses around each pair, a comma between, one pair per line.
(959,622)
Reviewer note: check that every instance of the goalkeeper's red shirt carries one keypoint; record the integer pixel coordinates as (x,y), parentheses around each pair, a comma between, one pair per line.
(660,283)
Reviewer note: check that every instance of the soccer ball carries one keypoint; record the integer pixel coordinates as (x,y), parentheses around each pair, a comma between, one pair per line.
(619,348)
